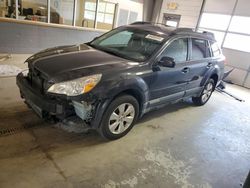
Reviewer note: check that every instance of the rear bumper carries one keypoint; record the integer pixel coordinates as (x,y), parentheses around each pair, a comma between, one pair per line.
(40,104)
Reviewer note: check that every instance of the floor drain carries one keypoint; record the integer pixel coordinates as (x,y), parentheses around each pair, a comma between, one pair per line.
(15,130)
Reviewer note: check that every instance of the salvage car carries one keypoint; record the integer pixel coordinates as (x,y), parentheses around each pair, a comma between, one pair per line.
(110,82)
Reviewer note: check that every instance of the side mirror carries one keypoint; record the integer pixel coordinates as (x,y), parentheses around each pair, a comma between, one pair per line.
(167,62)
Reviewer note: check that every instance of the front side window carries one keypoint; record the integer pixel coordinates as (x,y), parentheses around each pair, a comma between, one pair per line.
(178,50)
(128,43)
(200,49)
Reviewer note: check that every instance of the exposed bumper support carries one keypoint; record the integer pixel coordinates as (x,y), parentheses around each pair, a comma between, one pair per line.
(82,110)
(64,109)
(39,103)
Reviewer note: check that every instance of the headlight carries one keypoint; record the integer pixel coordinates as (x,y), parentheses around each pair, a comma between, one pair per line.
(77,86)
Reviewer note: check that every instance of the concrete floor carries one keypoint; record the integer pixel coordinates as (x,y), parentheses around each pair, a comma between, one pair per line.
(177,146)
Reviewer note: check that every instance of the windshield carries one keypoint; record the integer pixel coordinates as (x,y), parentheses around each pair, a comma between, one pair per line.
(134,44)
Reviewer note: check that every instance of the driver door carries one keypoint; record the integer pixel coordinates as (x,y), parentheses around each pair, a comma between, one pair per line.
(169,83)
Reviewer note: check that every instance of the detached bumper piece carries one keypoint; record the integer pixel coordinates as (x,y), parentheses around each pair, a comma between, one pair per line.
(41,104)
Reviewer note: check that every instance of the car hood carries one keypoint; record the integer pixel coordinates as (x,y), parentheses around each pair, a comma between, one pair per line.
(69,62)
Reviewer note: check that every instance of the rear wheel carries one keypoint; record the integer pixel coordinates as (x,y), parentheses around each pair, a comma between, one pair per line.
(205,94)
(119,117)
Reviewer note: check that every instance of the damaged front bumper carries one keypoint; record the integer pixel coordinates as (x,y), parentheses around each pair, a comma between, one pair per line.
(46,106)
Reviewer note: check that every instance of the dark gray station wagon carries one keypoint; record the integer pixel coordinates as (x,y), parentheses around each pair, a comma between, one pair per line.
(108,83)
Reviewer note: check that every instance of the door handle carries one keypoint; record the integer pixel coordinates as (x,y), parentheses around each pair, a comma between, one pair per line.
(209,65)
(185,70)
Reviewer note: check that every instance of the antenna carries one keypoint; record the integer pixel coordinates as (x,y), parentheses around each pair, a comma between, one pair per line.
(210,34)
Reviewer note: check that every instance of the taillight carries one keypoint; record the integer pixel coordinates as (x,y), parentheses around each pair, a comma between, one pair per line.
(225,61)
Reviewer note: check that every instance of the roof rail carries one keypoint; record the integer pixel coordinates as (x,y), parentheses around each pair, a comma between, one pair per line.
(140,23)
(183,30)
(149,23)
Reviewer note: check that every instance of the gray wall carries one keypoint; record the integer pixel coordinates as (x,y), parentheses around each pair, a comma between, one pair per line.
(25,38)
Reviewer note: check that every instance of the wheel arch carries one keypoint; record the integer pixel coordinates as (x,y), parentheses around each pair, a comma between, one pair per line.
(135,88)
(215,77)
(212,74)
(139,96)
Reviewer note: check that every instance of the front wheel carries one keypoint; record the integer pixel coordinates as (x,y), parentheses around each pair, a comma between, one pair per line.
(119,117)
(205,94)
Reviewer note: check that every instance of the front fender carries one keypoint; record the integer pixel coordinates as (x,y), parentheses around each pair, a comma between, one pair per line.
(113,89)
(137,84)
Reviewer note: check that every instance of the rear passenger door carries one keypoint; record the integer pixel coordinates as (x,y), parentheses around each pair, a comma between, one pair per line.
(199,63)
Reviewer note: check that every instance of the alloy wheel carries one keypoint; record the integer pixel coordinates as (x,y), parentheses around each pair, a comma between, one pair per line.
(207,92)
(121,118)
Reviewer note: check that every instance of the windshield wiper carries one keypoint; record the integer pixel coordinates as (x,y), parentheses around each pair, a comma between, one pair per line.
(113,52)
(110,51)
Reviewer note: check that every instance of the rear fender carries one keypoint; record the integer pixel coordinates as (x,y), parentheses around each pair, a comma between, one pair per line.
(209,73)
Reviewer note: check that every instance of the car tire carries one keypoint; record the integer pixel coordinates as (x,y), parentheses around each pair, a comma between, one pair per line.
(119,117)
(205,94)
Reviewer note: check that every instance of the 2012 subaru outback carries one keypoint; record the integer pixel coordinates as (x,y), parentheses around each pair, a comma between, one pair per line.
(110,82)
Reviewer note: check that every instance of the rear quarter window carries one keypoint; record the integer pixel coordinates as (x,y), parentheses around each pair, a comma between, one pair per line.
(215,49)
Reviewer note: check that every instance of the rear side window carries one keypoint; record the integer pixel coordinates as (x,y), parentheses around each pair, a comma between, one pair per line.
(215,49)
(177,50)
(200,49)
